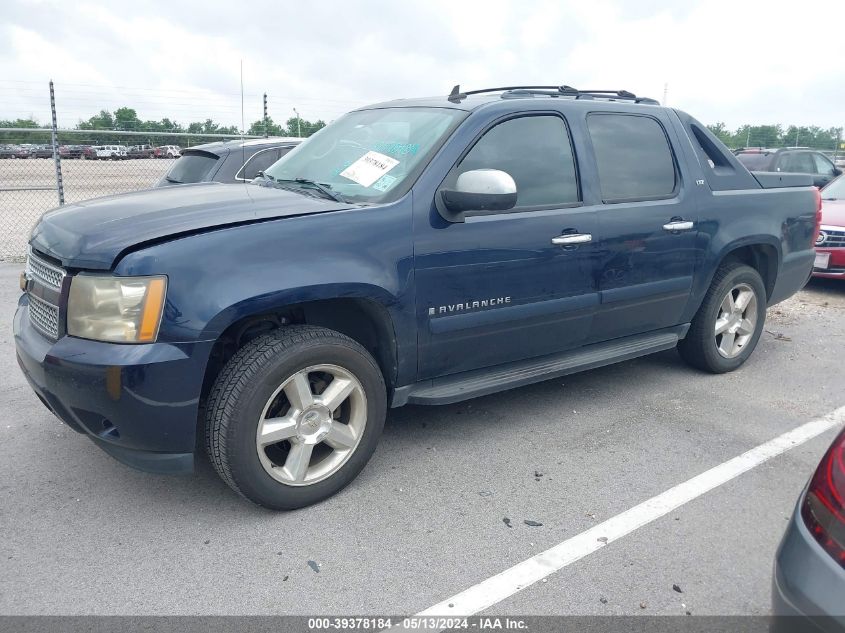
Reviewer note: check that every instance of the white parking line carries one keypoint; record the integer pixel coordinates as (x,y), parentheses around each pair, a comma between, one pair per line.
(495,589)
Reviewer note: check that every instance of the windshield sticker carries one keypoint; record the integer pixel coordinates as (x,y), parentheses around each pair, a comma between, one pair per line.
(369,168)
(384,183)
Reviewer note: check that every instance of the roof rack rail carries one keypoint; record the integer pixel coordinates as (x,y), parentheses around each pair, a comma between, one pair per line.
(456,96)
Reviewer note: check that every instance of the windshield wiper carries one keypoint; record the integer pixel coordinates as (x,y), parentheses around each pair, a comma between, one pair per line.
(323,188)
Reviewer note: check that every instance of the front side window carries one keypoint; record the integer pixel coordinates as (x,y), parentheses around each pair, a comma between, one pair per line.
(823,166)
(537,153)
(369,155)
(633,157)
(259,161)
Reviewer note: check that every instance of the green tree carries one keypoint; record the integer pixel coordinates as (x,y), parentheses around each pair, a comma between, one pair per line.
(126,119)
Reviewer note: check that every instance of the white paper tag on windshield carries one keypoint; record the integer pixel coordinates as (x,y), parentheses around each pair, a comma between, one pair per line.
(369,168)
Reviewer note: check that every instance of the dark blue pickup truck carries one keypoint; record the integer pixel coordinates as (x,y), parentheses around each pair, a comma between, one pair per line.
(418,251)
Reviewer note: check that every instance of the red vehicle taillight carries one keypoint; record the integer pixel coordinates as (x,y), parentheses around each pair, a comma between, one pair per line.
(818,213)
(823,509)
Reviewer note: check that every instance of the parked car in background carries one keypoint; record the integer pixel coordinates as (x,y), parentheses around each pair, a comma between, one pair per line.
(796,160)
(70,151)
(830,244)
(809,575)
(168,151)
(227,161)
(110,152)
(42,151)
(140,151)
(22,151)
(7,151)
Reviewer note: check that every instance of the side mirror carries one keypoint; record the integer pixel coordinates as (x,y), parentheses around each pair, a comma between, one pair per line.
(837,171)
(480,191)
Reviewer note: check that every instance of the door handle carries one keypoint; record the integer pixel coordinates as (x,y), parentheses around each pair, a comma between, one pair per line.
(678,225)
(570,239)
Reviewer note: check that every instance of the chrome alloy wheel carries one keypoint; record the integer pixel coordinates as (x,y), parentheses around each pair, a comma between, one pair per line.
(311,425)
(736,320)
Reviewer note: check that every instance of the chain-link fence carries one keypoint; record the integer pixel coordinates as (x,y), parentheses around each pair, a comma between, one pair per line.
(37,174)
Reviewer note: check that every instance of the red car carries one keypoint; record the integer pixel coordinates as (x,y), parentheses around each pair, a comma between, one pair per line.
(830,245)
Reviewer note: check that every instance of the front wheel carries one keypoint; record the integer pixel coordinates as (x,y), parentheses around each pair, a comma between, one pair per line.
(727,326)
(294,416)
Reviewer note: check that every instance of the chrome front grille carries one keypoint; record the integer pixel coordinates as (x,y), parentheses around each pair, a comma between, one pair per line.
(832,238)
(44,290)
(49,275)
(44,316)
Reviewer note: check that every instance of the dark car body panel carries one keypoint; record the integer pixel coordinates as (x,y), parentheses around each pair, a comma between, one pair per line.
(234,251)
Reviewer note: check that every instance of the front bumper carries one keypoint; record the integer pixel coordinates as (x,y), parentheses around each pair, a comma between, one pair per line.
(807,585)
(137,402)
(836,265)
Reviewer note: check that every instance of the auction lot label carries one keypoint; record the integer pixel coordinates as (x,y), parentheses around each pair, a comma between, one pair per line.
(369,168)
(314,624)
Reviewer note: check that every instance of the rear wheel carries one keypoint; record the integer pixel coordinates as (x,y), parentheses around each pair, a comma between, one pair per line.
(727,326)
(295,416)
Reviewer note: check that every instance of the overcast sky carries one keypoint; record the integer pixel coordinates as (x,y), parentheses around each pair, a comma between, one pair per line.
(735,61)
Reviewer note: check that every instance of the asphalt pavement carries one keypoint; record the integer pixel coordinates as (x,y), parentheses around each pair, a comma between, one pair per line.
(83,534)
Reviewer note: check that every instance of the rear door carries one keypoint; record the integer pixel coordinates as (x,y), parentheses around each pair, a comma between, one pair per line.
(504,287)
(647,225)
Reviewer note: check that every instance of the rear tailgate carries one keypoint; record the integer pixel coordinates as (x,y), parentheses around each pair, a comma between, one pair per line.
(776,179)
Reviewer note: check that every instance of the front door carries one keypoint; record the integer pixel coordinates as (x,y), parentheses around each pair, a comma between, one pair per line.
(512,285)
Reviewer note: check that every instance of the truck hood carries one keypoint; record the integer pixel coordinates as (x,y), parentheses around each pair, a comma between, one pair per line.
(833,212)
(93,234)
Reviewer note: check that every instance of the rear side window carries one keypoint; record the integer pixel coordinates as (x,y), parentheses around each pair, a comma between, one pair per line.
(536,152)
(191,167)
(754,161)
(633,157)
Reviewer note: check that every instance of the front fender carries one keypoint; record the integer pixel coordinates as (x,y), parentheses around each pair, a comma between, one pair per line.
(219,277)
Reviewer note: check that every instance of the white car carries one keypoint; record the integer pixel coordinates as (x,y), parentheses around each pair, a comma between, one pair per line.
(114,152)
(168,151)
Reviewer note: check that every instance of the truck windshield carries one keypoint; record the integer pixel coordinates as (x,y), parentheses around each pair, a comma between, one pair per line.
(835,190)
(368,155)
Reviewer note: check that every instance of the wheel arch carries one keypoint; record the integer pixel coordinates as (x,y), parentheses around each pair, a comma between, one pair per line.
(762,253)
(365,320)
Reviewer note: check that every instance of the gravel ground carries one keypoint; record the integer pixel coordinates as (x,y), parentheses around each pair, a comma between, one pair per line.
(83,534)
(82,179)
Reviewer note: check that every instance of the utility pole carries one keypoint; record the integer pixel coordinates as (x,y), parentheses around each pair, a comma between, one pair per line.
(298,123)
(748,137)
(265,115)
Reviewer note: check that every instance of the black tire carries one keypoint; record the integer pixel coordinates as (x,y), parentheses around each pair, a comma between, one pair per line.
(249,379)
(699,347)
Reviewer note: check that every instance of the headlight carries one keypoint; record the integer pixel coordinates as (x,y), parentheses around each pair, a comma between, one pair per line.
(116,309)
